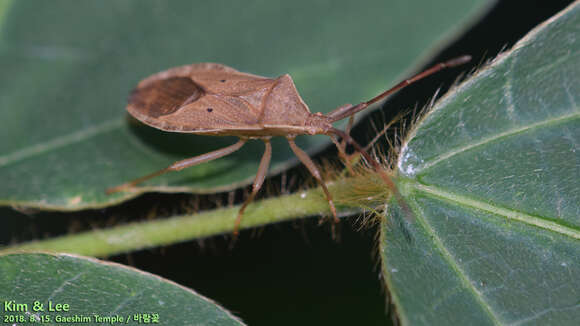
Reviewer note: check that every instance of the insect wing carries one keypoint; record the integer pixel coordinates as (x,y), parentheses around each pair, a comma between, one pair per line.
(200,98)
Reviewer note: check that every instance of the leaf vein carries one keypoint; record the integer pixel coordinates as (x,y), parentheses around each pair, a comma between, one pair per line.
(58,142)
(462,275)
(62,286)
(512,132)
(501,211)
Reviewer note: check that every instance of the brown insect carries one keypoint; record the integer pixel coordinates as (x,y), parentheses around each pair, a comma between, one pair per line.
(216,100)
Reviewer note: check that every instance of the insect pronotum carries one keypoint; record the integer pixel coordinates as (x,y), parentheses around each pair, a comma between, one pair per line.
(216,100)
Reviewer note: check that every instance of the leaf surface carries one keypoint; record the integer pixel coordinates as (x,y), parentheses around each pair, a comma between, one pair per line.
(68,67)
(92,287)
(491,174)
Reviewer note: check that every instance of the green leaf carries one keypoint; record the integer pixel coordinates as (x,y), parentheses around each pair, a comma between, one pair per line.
(67,67)
(492,176)
(91,287)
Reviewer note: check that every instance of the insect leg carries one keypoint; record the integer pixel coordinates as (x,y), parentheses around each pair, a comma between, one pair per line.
(379,169)
(305,159)
(180,165)
(354,158)
(258,182)
(349,127)
(341,146)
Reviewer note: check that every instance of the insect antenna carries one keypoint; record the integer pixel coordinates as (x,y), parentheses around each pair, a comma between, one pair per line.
(345,111)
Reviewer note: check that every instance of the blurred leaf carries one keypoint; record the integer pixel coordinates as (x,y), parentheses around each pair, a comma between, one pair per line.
(492,174)
(92,287)
(67,67)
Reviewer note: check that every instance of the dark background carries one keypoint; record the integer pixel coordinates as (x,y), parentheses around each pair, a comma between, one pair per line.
(294,272)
